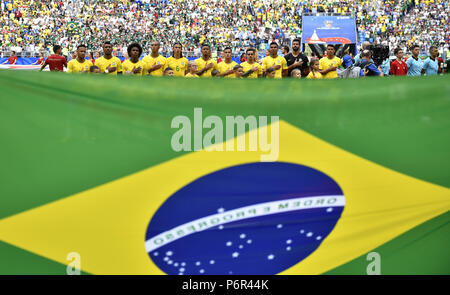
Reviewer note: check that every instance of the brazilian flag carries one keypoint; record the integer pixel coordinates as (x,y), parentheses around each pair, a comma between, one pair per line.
(72,26)
(154,175)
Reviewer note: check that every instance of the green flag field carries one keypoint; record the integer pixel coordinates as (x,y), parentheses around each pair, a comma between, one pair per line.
(87,161)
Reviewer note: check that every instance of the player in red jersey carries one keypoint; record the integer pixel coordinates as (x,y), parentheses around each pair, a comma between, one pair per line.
(12,59)
(40,60)
(56,61)
(398,66)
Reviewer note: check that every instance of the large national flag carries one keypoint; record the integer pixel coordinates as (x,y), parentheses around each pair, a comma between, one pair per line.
(88,166)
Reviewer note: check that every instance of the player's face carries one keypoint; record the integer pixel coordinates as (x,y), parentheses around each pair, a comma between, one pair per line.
(273,49)
(227,54)
(295,46)
(434,52)
(107,49)
(416,51)
(81,52)
(134,52)
(251,56)
(330,50)
(400,54)
(177,49)
(206,51)
(155,46)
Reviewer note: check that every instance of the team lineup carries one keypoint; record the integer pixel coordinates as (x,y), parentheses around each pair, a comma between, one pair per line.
(291,64)
(272,66)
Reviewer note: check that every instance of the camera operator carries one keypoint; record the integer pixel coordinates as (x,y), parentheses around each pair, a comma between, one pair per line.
(364,47)
(368,68)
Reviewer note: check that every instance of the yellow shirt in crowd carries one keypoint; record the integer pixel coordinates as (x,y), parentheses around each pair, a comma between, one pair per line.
(128,66)
(179,66)
(222,67)
(151,61)
(246,67)
(102,63)
(74,66)
(325,63)
(269,61)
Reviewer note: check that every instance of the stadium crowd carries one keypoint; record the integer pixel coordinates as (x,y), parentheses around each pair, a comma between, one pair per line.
(35,25)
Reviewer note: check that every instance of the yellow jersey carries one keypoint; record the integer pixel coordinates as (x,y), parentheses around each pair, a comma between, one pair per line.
(246,67)
(179,66)
(74,66)
(128,66)
(102,63)
(201,63)
(269,61)
(151,61)
(325,63)
(314,75)
(222,67)
(189,75)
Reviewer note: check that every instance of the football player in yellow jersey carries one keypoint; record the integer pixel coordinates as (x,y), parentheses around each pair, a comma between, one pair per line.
(134,66)
(275,61)
(177,62)
(251,68)
(225,67)
(108,63)
(156,63)
(80,64)
(205,64)
(329,64)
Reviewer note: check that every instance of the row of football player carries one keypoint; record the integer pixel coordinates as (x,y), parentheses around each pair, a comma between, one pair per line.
(273,65)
